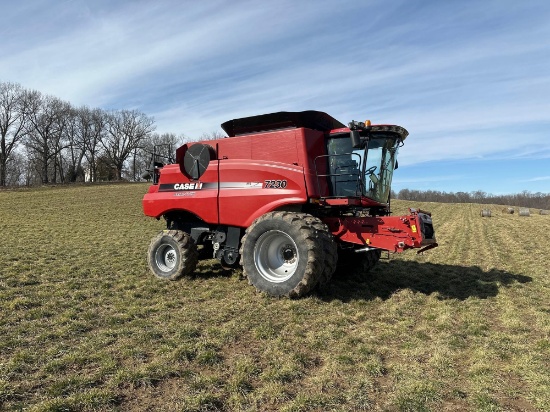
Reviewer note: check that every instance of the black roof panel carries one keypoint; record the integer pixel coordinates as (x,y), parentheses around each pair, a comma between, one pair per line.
(310,119)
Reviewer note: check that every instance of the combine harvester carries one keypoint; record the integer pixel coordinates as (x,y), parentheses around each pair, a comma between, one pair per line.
(285,196)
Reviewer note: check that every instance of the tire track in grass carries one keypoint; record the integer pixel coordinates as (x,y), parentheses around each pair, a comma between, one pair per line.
(532,238)
(511,242)
(456,235)
(496,241)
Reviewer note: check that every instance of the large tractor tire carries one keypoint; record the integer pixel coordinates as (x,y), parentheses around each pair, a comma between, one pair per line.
(172,254)
(358,263)
(330,249)
(283,254)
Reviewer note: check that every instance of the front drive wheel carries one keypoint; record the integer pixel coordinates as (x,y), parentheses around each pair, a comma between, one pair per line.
(172,254)
(282,254)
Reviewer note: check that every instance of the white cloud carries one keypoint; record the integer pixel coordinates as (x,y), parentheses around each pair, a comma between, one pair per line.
(538,179)
(467,82)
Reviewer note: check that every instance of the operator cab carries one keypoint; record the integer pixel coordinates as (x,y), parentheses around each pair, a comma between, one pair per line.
(361,160)
(357,163)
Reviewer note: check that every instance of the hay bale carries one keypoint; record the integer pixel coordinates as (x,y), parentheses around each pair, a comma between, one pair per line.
(485,212)
(544,212)
(509,210)
(524,211)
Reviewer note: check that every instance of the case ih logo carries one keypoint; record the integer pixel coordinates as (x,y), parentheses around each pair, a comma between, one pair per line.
(188,186)
(178,187)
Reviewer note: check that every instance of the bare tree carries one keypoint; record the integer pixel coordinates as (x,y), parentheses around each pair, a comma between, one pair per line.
(45,132)
(74,152)
(15,169)
(162,145)
(93,127)
(12,123)
(85,129)
(126,130)
(215,135)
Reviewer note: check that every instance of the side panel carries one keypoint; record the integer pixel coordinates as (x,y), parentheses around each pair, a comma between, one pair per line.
(177,192)
(277,146)
(250,188)
(256,173)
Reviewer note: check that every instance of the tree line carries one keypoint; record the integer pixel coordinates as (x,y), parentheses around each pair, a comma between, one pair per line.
(524,199)
(44,139)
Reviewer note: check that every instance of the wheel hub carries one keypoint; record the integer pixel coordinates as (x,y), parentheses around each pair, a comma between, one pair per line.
(166,258)
(170,257)
(276,256)
(288,254)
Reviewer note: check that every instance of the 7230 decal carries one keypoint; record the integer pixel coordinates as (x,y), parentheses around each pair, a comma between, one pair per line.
(275,184)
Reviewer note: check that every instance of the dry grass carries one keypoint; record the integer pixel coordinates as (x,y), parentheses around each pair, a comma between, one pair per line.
(84,326)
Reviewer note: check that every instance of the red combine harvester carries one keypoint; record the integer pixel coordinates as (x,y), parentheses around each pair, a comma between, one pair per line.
(285,196)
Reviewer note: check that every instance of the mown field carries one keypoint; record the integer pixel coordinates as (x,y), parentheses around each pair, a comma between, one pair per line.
(84,326)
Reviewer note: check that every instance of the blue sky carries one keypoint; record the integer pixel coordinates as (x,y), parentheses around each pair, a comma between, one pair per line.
(470,80)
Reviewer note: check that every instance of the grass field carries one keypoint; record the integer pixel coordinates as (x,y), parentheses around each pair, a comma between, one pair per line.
(84,326)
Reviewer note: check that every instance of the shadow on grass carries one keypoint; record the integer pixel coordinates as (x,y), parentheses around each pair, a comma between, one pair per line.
(449,282)
(211,268)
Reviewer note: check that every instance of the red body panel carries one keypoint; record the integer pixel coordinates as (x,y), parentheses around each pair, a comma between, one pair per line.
(240,205)
(243,167)
(203,203)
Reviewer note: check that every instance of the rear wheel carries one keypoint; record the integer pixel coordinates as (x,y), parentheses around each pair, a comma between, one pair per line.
(172,254)
(282,254)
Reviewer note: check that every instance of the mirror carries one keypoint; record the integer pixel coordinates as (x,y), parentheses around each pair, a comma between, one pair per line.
(355,139)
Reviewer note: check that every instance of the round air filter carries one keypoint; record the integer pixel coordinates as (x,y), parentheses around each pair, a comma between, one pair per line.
(196,160)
